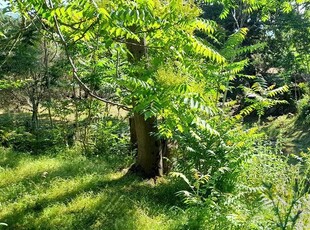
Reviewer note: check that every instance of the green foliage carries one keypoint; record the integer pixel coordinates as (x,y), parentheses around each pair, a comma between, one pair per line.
(271,191)
(261,97)
(108,136)
(15,133)
(266,8)
(212,162)
(147,55)
(304,110)
(113,27)
(5,84)
(279,188)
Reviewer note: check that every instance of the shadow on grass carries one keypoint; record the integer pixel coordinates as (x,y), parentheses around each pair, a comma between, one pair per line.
(8,158)
(82,194)
(302,140)
(294,137)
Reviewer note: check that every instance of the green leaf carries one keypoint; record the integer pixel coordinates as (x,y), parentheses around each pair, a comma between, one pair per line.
(104,13)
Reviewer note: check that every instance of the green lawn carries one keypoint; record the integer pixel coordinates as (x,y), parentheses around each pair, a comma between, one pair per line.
(71,191)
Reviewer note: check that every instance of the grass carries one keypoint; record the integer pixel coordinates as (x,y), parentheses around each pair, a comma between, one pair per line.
(70,191)
(293,137)
(67,190)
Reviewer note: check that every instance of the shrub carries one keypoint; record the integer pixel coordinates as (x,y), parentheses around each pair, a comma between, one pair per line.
(15,133)
(39,141)
(211,162)
(272,191)
(106,135)
(269,190)
(110,136)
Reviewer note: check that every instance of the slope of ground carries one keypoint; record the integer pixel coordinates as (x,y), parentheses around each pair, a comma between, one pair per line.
(289,133)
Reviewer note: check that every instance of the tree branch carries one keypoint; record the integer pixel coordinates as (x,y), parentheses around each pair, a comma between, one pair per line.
(74,69)
(137,44)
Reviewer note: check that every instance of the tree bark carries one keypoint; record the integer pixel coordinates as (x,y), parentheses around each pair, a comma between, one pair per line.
(150,149)
(34,117)
(133,134)
(34,98)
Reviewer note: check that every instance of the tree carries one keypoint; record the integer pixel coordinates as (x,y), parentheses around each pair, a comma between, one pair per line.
(7,26)
(281,26)
(26,57)
(158,39)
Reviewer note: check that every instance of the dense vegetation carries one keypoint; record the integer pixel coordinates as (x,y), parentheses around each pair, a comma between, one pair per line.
(139,114)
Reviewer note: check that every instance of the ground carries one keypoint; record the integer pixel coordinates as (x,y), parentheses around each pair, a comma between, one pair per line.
(70,191)
(286,130)
(67,190)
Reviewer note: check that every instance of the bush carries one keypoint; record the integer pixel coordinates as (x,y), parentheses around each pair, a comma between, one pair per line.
(211,162)
(39,141)
(273,192)
(16,133)
(270,193)
(239,182)
(110,137)
(106,135)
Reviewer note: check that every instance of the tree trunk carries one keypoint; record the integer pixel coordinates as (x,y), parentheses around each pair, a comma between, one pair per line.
(150,149)
(48,81)
(133,134)
(142,131)
(34,117)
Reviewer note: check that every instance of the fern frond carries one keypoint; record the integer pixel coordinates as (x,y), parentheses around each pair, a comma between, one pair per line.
(277,91)
(201,123)
(251,48)
(245,76)
(198,47)
(197,104)
(247,110)
(206,26)
(236,39)
(257,87)
(134,83)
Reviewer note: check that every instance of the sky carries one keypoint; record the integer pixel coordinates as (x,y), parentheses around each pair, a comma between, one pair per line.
(3,4)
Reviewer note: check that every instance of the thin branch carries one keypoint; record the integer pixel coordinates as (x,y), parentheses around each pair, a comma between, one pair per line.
(136,44)
(72,25)
(235,18)
(55,53)
(74,69)
(117,65)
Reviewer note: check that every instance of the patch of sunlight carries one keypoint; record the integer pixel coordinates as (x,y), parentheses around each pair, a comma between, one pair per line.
(144,221)
(304,222)
(60,213)
(18,207)
(61,188)
(85,202)
(54,217)
(88,211)
(28,169)
(114,176)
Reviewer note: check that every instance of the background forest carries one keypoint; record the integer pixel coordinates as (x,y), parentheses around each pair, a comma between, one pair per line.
(139,114)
